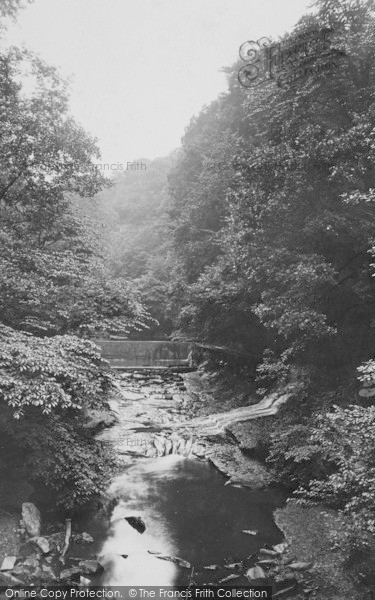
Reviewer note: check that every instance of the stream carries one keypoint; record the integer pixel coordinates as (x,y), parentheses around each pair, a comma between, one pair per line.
(188,510)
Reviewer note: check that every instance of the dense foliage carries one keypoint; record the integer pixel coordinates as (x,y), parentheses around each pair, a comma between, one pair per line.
(54,286)
(137,231)
(271,214)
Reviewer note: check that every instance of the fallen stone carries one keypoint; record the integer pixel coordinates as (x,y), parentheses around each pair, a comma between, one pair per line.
(8,563)
(211,567)
(241,469)
(280,548)
(184,563)
(175,559)
(137,523)
(90,567)
(233,566)
(84,538)
(300,566)
(42,543)
(84,581)
(255,573)
(31,518)
(98,420)
(229,578)
(250,531)
(32,562)
(267,552)
(73,573)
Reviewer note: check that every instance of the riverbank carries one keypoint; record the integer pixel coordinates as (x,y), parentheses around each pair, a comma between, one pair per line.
(309,532)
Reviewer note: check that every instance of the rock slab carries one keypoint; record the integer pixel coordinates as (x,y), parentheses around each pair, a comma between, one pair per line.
(8,563)
(32,519)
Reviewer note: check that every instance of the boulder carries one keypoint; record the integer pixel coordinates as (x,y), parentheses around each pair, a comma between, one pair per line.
(255,573)
(32,562)
(83,538)
(239,468)
(8,563)
(96,420)
(42,543)
(32,519)
(137,523)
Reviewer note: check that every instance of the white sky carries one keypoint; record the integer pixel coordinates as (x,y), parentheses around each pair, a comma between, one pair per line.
(140,69)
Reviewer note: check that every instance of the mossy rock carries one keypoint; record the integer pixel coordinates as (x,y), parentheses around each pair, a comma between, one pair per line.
(309,531)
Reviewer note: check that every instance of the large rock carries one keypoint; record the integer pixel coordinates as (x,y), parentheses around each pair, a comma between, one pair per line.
(255,573)
(252,435)
(137,523)
(83,538)
(32,519)
(90,567)
(8,563)
(42,543)
(239,468)
(96,420)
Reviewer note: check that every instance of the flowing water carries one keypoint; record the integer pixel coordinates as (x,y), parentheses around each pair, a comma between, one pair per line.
(189,513)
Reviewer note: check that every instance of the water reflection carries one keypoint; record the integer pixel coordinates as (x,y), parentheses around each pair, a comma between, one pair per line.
(188,513)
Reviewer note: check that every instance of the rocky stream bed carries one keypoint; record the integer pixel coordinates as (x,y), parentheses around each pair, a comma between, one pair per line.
(172,437)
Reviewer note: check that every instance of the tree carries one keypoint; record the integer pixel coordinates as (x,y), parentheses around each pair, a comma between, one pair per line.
(10,8)
(138,238)
(291,244)
(53,286)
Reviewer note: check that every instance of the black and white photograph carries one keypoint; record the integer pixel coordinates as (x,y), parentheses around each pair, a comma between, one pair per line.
(187,299)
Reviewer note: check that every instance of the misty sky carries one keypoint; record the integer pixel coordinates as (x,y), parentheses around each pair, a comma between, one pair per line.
(140,69)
